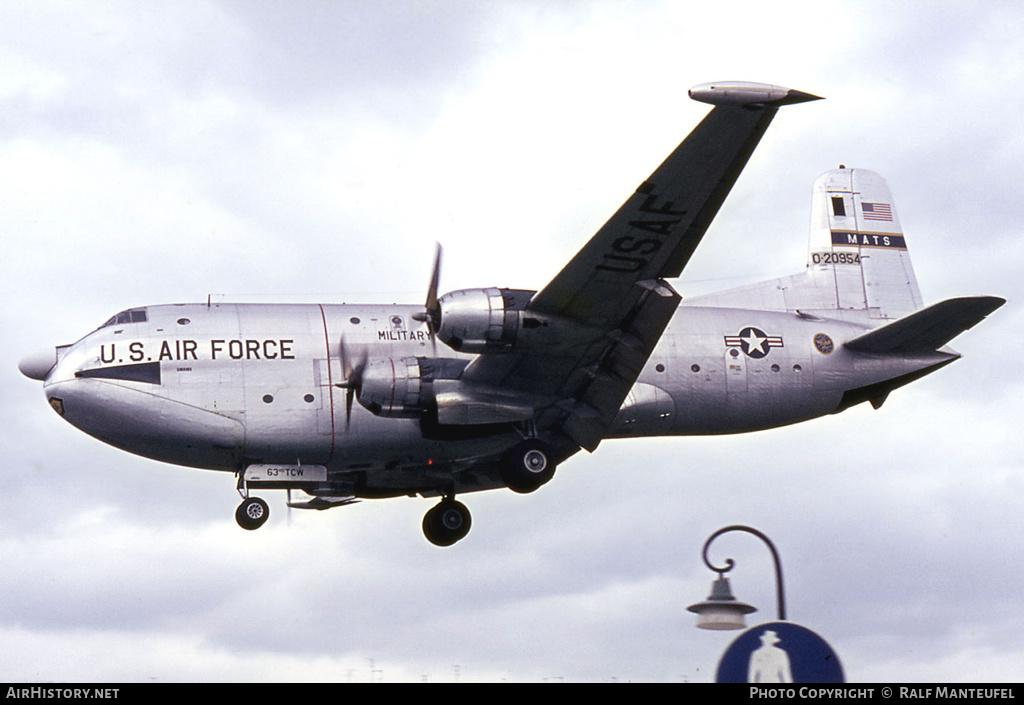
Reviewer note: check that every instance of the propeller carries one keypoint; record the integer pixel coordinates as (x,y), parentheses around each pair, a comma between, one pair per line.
(431,313)
(353,379)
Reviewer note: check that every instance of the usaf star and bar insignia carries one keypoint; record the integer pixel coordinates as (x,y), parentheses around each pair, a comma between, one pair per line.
(754,342)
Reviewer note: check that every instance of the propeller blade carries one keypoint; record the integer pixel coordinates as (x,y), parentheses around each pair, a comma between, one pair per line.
(432,306)
(349,396)
(431,313)
(346,369)
(353,379)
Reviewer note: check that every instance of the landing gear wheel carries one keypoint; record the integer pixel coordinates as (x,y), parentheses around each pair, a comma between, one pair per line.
(527,466)
(252,513)
(446,523)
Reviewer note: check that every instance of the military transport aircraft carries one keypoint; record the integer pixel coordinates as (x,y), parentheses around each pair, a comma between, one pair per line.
(488,388)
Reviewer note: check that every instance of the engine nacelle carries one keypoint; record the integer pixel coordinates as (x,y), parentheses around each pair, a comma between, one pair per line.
(392,387)
(403,388)
(410,387)
(481,320)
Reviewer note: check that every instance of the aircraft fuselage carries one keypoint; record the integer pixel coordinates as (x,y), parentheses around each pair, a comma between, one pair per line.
(492,388)
(225,385)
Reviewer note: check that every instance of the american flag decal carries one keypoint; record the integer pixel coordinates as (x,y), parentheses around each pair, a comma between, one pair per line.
(876,211)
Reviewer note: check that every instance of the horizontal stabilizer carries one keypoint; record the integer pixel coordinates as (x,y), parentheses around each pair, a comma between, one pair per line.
(928,329)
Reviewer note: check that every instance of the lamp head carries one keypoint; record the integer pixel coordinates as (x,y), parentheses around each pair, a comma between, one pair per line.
(721,610)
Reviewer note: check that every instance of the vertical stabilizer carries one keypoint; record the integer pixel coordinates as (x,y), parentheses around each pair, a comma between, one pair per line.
(856,243)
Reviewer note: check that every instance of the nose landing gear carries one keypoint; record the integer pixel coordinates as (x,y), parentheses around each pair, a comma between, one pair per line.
(252,513)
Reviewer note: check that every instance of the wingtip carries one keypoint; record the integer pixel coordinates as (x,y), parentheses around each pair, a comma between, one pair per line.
(749,95)
(794,96)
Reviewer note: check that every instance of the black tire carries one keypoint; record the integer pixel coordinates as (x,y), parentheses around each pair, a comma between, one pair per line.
(252,513)
(446,523)
(528,466)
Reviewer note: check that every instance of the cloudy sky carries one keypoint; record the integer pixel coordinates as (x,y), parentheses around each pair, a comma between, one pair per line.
(163,151)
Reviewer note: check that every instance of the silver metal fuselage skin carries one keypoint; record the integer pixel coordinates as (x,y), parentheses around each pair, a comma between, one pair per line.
(225,385)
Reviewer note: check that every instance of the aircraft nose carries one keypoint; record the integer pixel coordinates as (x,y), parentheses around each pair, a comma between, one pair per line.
(36,365)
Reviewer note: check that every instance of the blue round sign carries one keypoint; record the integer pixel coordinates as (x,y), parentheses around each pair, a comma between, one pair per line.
(779,652)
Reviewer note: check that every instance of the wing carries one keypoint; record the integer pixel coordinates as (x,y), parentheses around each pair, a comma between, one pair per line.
(654,233)
(591,330)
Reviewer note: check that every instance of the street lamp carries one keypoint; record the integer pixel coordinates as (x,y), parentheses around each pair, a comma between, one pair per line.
(721,610)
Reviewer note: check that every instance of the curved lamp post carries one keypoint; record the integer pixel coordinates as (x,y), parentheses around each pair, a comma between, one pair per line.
(722,610)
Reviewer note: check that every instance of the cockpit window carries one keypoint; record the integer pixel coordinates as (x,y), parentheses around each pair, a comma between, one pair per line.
(132,315)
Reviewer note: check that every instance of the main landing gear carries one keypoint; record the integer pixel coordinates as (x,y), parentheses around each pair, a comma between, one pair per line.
(527,466)
(523,469)
(447,522)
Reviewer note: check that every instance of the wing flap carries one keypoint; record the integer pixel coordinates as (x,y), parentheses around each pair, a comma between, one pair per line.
(593,406)
(928,329)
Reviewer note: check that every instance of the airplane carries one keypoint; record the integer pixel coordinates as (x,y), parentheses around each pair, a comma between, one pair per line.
(492,388)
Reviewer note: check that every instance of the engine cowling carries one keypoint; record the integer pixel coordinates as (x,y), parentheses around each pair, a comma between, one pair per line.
(411,387)
(392,387)
(403,388)
(481,320)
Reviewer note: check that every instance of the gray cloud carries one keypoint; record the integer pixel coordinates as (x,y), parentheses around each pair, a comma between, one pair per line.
(162,153)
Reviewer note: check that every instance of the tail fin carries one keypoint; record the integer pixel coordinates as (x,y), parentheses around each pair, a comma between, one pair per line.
(857,245)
